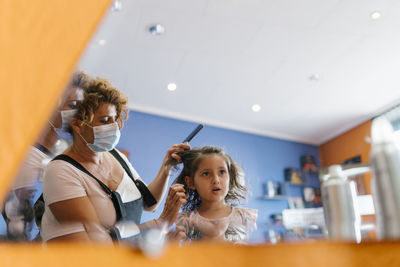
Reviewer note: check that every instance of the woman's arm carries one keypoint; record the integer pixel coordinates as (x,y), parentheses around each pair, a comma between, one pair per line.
(158,186)
(80,210)
(176,197)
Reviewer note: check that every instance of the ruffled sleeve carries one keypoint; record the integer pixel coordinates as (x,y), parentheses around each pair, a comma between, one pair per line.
(249,218)
(187,220)
(183,220)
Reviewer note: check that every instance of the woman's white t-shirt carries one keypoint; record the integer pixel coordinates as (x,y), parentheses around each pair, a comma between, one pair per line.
(31,171)
(63,181)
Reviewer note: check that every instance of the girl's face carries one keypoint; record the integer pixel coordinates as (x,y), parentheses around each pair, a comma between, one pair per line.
(211,180)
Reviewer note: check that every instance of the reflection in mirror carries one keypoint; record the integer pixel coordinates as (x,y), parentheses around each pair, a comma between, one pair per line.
(181,63)
(23,208)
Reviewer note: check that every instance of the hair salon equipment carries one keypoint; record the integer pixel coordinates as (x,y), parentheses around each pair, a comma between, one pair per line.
(303,223)
(276,218)
(193,134)
(340,206)
(273,236)
(271,189)
(385,161)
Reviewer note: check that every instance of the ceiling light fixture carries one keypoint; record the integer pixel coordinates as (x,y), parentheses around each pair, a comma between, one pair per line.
(256,108)
(375,15)
(102,42)
(117,5)
(314,77)
(157,29)
(171,87)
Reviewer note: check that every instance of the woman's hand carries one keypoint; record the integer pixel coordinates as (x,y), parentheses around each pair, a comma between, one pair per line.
(178,234)
(172,155)
(158,187)
(176,197)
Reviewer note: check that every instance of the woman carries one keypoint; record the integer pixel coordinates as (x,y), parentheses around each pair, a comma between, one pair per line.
(79,207)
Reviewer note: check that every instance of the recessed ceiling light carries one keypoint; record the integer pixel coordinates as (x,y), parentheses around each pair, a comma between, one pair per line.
(375,15)
(157,29)
(256,107)
(171,87)
(117,5)
(102,42)
(314,77)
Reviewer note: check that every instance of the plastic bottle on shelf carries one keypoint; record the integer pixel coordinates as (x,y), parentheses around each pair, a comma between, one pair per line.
(385,185)
(340,204)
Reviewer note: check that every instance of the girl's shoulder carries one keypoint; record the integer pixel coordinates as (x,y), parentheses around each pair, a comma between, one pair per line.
(242,223)
(185,214)
(246,215)
(185,218)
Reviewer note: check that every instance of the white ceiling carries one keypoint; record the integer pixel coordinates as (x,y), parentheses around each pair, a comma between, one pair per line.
(226,55)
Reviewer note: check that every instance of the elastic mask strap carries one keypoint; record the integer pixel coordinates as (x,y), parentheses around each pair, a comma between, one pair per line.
(52,126)
(88,125)
(83,138)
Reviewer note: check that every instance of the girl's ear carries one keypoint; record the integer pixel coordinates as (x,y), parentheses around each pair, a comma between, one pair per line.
(189,182)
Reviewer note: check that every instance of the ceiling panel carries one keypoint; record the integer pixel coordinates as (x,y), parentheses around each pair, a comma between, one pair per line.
(226,55)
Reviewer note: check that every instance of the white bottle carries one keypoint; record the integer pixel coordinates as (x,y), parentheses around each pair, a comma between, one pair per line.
(385,185)
(339,198)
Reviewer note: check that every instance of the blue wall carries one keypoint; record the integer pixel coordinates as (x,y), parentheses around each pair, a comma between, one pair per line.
(148,137)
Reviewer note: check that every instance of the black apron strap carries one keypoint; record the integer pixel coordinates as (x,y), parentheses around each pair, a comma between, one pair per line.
(115,196)
(80,167)
(44,150)
(148,198)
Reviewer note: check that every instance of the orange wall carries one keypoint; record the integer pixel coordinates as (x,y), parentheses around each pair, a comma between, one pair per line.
(348,145)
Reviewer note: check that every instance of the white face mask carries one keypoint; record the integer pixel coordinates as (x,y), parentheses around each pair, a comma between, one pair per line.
(106,137)
(66,117)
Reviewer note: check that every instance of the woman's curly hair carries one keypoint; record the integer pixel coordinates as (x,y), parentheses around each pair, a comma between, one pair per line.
(101,91)
(191,160)
(80,79)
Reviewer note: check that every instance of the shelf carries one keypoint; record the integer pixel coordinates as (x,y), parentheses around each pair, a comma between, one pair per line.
(274,197)
(272,225)
(302,184)
(294,184)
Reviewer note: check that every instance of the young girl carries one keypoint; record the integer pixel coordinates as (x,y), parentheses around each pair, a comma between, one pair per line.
(212,182)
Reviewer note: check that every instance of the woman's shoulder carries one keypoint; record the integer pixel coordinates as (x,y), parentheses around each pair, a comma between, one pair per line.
(35,154)
(63,181)
(59,163)
(61,168)
(123,156)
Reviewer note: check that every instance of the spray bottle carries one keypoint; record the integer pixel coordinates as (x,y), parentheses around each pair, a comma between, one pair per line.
(341,212)
(385,185)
